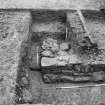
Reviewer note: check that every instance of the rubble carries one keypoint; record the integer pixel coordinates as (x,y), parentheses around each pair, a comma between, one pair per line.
(51,44)
(57,53)
(62,56)
(47,53)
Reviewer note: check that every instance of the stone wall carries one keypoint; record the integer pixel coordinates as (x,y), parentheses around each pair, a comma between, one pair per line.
(14,28)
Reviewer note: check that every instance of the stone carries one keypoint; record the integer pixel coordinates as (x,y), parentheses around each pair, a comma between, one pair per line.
(64,46)
(27,97)
(47,53)
(74,59)
(45,61)
(62,53)
(62,58)
(24,81)
(50,43)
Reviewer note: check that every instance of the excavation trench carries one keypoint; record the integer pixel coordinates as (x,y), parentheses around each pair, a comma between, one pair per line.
(60,53)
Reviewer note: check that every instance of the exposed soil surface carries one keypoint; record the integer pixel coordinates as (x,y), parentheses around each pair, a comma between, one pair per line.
(38,56)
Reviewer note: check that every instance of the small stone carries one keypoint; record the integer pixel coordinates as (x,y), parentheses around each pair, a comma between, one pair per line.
(47,53)
(64,46)
(24,80)
(62,53)
(55,47)
(27,96)
(63,56)
(51,44)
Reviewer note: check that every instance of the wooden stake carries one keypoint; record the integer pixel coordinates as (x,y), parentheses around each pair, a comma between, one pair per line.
(66,33)
(37,55)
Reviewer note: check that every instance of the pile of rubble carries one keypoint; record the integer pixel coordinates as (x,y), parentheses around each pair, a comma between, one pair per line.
(60,64)
(57,54)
